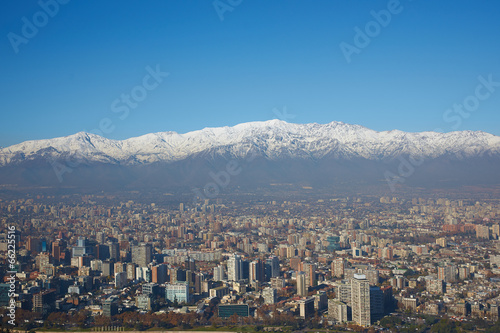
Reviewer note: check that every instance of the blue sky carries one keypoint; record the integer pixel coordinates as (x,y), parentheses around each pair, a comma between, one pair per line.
(263,56)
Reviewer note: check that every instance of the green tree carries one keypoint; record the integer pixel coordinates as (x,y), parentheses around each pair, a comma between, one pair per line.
(444,326)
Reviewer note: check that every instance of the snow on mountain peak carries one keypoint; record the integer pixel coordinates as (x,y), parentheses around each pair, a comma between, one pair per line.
(274,139)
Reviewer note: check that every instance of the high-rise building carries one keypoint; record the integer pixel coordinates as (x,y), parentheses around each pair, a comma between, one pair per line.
(190,264)
(159,273)
(142,254)
(120,280)
(58,248)
(219,292)
(441,242)
(143,302)
(177,291)
(360,300)
(320,301)
(143,273)
(101,251)
(198,282)
(274,264)
(306,307)
(399,282)
(219,274)
(270,295)
(372,275)
(295,263)
(4,294)
(245,268)
(310,270)
(278,283)
(256,271)
(495,229)
(131,271)
(344,292)
(108,268)
(82,248)
(337,311)
(463,272)
(376,303)
(338,266)
(151,289)
(101,237)
(96,265)
(33,244)
(114,250)
(110,307)
(44,301)
(43,259)
(435,286)
(482,231)
(120,267)
(301,284)
(234,268)
(447,273)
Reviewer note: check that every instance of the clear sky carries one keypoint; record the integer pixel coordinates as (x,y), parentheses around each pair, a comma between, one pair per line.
(71,68)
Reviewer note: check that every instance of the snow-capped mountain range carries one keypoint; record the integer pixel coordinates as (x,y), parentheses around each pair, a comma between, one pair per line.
(272,140)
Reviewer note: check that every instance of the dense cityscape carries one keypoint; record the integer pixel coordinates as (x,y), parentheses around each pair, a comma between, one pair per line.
(253,166)
(341,263)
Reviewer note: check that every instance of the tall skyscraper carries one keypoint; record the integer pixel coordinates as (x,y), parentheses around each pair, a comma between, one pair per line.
(447,273)
(360,300)
(120,280)
(190,264)
(198,282)
(338,267)
(337,311)
(306,307)
(142,254)
(234,268)
(376,303)
(274,266)
(310,270)
(82,248)
(58,248)
(131,271)
(219,274)
(159,273)
(101,237)
(301,284)
(256,271)
(114,250)
(110,307)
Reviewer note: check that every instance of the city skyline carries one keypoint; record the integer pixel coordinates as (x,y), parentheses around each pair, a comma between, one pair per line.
(368,261)
(256,166)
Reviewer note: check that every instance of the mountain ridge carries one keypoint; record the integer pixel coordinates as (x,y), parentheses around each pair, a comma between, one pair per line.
(273,139)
